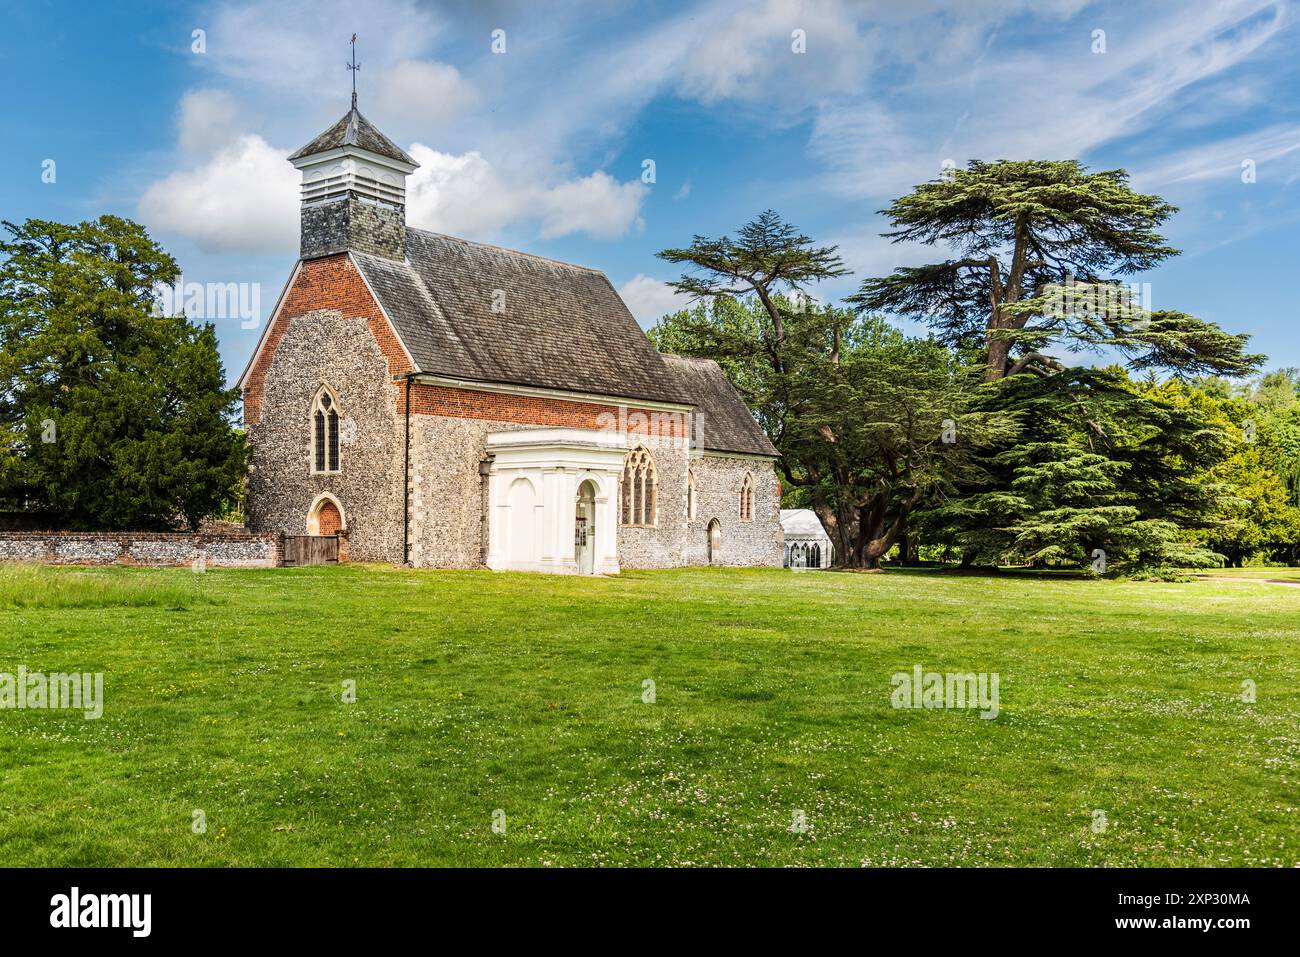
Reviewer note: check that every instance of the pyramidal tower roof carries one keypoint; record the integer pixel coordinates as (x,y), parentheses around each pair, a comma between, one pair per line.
(354,130)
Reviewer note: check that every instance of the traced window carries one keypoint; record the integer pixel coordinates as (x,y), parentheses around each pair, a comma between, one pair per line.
(640,494)
(690,494)
(325,432)
(747,498)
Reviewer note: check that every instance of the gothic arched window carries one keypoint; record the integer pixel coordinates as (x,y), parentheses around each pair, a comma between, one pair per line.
(747,498)
(325,432)
(691,498)
(640,494)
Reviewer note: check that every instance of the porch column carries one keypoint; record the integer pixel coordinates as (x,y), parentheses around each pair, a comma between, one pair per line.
(606,559)
(498,521)
(548,501)
(566,512)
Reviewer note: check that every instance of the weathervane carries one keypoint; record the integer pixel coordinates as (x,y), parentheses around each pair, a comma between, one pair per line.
(354,66)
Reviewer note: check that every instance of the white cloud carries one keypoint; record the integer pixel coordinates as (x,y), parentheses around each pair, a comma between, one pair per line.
(597,205)
(244,199)
(461,195)
(208,120)
(648,298)
(961,82)
(1067,100)
(421,94)
(751,53)
(577,86)
(467,196)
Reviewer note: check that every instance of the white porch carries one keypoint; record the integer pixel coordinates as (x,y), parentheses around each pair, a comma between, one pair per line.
(553,500)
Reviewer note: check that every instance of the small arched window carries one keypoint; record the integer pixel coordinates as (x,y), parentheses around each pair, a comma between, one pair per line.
(640,493)
(325,432)
(747,498)
(690,495)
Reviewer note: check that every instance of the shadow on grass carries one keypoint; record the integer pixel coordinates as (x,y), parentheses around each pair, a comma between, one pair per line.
(980,571)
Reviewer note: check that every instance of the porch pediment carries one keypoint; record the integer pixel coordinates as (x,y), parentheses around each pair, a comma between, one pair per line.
(571,448)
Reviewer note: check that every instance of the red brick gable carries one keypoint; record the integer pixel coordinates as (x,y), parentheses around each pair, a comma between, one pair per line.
(331,282)
(427,399)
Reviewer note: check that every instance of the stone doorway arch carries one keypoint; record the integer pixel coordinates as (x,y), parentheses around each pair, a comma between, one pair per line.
(715,542)
(325,517)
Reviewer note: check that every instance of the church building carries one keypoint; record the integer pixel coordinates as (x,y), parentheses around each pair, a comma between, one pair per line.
(452,404)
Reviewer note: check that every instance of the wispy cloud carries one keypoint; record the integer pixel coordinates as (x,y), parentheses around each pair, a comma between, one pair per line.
(883,95)
(1052,98)
(1272,154)
(207,120)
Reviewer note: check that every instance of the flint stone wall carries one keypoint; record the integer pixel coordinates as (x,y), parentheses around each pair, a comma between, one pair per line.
(323,348)
(140,548)
(718,480)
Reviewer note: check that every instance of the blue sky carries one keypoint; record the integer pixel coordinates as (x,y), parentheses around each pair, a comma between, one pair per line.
(542,147)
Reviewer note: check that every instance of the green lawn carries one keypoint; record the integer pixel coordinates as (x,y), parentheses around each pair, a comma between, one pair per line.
(1254,571)
(477,692)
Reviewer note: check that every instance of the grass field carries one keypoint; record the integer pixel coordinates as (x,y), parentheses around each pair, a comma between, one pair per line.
(1260,572)
(478,692)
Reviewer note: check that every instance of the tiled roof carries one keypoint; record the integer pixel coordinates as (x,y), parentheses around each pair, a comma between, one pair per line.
(556,326)
(559,326)
(354,130)
(726,423)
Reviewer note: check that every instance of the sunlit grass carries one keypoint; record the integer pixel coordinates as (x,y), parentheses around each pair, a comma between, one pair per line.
(1263,573)
(35,586)
(524,694)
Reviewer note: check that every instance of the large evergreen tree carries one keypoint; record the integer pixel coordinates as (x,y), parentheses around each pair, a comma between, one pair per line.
(111,417)
(868,421)
(1042,248)
(1041,251)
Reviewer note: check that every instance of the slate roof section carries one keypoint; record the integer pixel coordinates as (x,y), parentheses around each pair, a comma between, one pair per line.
(354,130)
(726,423)
(563,326)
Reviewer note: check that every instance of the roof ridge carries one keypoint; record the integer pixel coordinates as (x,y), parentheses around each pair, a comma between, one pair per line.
(505,249)
(347,131)
(387,141)
(676,355)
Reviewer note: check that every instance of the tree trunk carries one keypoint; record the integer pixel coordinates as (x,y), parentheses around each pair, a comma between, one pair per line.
(999,353)
(876,534)
(909,549)
(841,531)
